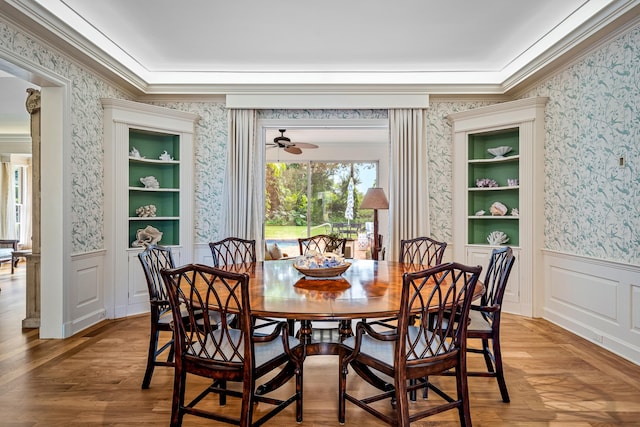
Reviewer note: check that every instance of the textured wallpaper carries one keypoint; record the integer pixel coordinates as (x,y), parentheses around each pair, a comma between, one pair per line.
(440,152)
(592,206)
(87,178)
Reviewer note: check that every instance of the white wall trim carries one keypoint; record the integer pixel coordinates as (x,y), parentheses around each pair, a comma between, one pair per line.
(86,296)
(328,100)
(55,191)
(596,299)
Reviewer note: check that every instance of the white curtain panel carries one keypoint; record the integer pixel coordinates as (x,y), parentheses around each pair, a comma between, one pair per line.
(7,202)
(26,229)
(243,191)
(408,183)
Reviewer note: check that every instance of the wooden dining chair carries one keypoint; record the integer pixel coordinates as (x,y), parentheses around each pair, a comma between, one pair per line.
(233,250)
(225,354)
(422,250)
(484,318)
(322,243)
(153,259)
(413,352)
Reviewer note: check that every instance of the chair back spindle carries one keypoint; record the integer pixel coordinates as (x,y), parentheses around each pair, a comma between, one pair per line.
(233,250)
(322,243)
(422,251)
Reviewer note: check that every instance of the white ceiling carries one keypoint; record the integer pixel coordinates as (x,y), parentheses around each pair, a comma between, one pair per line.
(399,42)
(221,47)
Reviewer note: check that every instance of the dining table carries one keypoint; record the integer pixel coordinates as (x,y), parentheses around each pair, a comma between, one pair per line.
(368,289)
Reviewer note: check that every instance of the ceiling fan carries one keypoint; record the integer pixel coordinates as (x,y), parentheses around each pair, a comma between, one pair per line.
(288,146)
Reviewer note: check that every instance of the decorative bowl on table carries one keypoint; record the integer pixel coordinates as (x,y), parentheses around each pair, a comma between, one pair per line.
(315,264)
(323,271)
(499,152)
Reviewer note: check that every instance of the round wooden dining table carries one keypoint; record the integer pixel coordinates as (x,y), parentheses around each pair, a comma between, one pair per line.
(367,289)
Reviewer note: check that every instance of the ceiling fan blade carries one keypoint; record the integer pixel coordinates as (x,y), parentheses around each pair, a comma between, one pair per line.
(293,150)
(304,145)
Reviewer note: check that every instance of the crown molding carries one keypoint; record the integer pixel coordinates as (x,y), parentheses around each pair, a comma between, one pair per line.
(328,101)
(34,19)
(15,143)
(607,24)
(344,89)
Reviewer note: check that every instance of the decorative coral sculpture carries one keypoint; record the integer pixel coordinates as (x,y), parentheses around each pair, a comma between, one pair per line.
(497,238)
(135,153)
(486,182)
(150,182)
(146,211)
(165,156)
(147,236)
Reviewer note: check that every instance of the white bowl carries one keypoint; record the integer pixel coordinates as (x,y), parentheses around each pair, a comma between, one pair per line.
(499,152)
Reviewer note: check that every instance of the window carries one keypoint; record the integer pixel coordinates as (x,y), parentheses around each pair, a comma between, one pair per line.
(313,197)
(20,187)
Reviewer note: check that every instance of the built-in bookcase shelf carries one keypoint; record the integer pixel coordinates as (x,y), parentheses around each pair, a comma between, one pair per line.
(483,165)
(151,146)
(519,182)
(141,141)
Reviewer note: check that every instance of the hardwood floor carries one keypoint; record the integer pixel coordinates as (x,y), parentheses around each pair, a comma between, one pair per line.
(93,379)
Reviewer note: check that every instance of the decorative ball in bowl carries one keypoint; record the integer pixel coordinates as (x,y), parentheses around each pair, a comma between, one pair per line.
(314,264)
(499,152)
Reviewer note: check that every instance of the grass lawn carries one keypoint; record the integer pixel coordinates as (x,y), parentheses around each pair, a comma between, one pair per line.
(282,232)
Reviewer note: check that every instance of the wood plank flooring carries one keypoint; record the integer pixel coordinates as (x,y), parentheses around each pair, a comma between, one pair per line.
(93,379)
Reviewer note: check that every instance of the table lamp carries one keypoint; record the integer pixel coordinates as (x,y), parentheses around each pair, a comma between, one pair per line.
(375,199)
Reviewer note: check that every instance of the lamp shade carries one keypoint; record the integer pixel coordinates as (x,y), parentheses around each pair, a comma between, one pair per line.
(375,199)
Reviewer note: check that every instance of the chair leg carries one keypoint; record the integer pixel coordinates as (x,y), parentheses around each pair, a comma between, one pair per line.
(222,398)
(486,351)
(246,408)
(497,354)
(342,387)
(464,410)
(299,383)
(402,404)
(151,356)
(177,402)
(412,394)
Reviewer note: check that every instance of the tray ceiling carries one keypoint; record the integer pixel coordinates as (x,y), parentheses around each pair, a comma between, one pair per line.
(333,42)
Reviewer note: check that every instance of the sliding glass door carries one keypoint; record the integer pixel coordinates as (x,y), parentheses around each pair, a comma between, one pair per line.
(307,198)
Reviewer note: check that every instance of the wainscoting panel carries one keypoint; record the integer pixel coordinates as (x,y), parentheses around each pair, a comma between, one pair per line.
(595,299)
(635,303)
(86,291)
(202,254)
(595,295)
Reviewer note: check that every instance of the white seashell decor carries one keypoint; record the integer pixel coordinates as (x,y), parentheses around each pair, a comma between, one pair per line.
(497,238)
(499,152)
(150,182)
(498,209)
